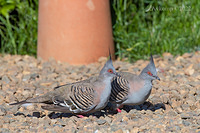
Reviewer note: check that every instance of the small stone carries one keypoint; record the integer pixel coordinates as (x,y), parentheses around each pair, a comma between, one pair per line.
(172,113)
(193,107)
(119,131)
(14,79)
(179,110)
(26,77)
(27,93)
(185,116)
(5,79)
(179,58)
(165,98)
(2,111)
(185,106)
(114,127)
(26,72)
(108,119)
(190,102)
(101,121)
(134,130)
(155,99)
(198,76)
(186,123)
(167,54)
(4,130)
(125,118)
(189,70)
(29,107)
(46,84)
(186,55)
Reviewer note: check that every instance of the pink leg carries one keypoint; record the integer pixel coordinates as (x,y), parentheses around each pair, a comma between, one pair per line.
(80,116)
(119,110)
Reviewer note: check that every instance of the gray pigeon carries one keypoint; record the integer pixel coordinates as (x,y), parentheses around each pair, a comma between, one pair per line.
(81,97)
(131,89)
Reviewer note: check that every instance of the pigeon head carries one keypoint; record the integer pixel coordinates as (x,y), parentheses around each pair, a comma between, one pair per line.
(149,72)
(108,69)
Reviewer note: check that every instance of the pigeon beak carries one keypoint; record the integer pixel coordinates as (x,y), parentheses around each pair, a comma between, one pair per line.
(157,78)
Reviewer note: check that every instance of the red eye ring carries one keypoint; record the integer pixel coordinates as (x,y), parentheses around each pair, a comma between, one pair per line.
(110,70)
(149,73)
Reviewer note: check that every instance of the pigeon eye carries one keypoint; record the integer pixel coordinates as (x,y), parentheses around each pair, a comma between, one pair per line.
(110,70)
(149,73)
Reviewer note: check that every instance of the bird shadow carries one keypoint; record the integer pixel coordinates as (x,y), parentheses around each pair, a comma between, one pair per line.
(54,115)
(34,114)
(145,106)
(106,111)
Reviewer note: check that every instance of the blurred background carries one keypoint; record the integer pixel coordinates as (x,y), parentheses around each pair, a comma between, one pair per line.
(140,27)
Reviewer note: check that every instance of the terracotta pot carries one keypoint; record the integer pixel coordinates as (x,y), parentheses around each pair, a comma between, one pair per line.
(74,31)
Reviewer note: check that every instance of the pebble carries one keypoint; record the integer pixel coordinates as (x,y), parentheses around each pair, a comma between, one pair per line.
(101,121)
(2,111)
(5,79)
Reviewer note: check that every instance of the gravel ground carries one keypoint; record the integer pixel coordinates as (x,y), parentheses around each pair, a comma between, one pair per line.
(173,106)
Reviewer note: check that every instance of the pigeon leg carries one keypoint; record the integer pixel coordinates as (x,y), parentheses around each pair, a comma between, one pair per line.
(80,116)
(119,110)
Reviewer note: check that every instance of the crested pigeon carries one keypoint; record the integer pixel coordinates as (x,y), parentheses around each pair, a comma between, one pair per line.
(131,89)
(81,97)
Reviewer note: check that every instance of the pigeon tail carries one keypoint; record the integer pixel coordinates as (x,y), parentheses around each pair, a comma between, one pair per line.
(19,103)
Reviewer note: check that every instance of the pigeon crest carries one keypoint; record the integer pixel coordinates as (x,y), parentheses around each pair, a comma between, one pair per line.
(108,68)
(149,72)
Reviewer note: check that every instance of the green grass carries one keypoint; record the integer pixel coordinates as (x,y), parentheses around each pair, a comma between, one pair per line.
(18,26)
(166,27)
